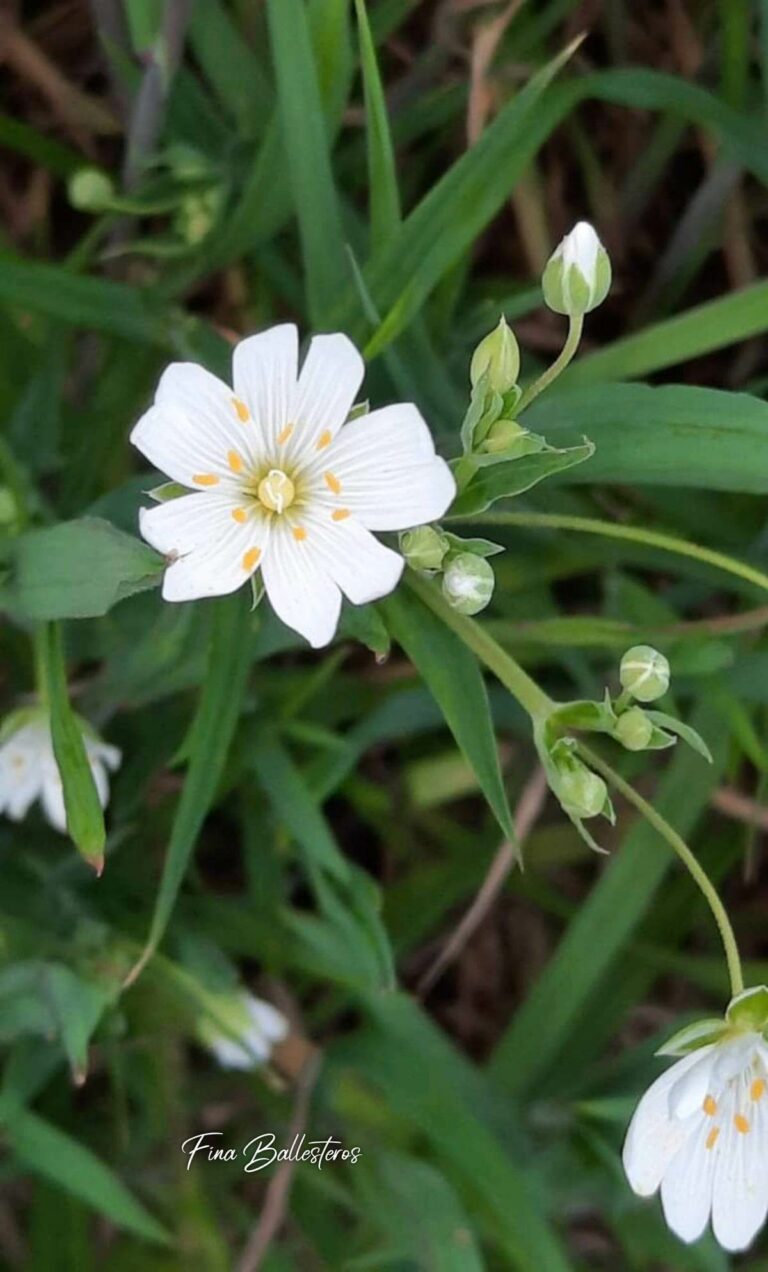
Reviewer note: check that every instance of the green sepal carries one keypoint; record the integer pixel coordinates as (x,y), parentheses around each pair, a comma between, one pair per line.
(684,731)
(660,739)
(526,443)
(257,590)
(749,1009)
(477,547)
(167,491)
(700,1033)
(358,411)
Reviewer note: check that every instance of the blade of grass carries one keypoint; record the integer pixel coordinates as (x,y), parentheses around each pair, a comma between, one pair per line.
(384,200)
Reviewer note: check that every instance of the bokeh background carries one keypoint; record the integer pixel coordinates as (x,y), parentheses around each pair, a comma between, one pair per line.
(176,174)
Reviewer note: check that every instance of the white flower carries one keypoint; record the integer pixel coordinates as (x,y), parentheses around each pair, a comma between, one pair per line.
(282,484)
(28,769)
(243,1031)
(701,1134)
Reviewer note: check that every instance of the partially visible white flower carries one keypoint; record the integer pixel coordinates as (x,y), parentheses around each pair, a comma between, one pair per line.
(243,1031)
(700,1133)
(577,276)
(28,769)
(282,484)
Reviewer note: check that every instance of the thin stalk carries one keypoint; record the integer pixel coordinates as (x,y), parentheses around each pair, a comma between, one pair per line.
(533,699)
(680,847)
(39,637)
(634,534)
(567,352)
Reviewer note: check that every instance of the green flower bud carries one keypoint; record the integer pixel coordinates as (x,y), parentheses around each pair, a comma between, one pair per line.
(91,190)
(644,673)
(581,792)
(633,729)
(500,436)
(499,355)
(577,276)
(468,583)
(424,548)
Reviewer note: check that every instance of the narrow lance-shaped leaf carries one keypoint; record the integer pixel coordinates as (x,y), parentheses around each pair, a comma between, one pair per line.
(385,213)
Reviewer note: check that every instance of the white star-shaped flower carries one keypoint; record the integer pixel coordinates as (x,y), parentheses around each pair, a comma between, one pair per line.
(243,1031)
(700,1133)
(282,483)
(28,770)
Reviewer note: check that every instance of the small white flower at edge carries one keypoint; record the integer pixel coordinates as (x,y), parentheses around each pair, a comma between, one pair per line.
(28,769)
(242,1031)
(281,483)
(700,1134)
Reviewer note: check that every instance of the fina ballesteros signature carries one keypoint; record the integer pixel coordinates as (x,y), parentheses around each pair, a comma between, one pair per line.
(262,1151)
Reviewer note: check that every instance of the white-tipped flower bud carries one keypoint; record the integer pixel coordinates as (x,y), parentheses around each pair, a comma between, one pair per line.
(498,355)
(424,548)
(634,730)
(501,436)
(581,792)
(577,276)
(644,673)
(468,583)
(91,190)
(241,1030)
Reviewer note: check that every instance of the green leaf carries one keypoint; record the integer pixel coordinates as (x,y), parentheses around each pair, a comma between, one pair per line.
(97,304)
(502,481)
(78,569)
(45,1150)
(684,731)
(454,679)
(384,199)
(77,1006)
(85,819)
(671,435)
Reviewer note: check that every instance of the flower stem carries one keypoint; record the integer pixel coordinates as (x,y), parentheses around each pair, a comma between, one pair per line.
(533,699)
(635,534)
(39,637)
(679,846)
(575,326)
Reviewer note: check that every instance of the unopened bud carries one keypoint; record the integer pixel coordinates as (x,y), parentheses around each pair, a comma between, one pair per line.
(501,436)
(633,729)
(468,583)
(577,276)
(581,792)
(423,548)
(91,190)
(240,1029)
(498,355)
(644,673)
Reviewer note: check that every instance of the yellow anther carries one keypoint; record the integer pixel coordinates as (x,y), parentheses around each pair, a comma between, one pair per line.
(711,1139)
(333,483)
(284,434)
(205,479)
(710,1105)
(251,559)
(276,491)
(239,514)
(741,1124)
(324,440)
(299,533)
(757,1090)
(243,414)
(341,514)
(234,461)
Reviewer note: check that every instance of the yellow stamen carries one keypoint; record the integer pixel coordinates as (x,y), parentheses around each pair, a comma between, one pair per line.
(205,479)
(234,461)
(251,559)
(324,440)
(239,514)
(341,514)
(276,491)
(284,434)
(741,1124)
(243,414)
(333,483)
(710,1106)
(712,1137)
(299,533)
(757,1090)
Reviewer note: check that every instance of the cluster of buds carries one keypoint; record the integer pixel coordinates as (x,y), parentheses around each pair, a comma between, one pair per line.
(468,579)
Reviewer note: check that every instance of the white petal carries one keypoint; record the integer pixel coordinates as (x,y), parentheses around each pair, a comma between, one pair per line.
(52,800)
(100,752)
(212,547)
(269,1024)
(740,1201)
(328,385)
(654,1137)
(390,476)
(264,371)
(688,1093)
(20,769)
(300,593)
(686,1189)
(363,568)
(193,426)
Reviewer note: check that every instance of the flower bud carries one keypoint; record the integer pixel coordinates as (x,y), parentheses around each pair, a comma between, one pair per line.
(500,436)
(423,548)
(91,190)
(499,356)
(581,792)
(633,729)
(578,274)
(468,583)
(644,673)
(240,1029)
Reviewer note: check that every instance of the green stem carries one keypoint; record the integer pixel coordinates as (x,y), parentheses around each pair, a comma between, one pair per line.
(39,638)
(575,326)
(679,846)
(635,534)
(535,701)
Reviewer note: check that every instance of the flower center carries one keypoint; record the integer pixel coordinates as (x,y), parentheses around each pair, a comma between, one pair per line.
(276,491)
